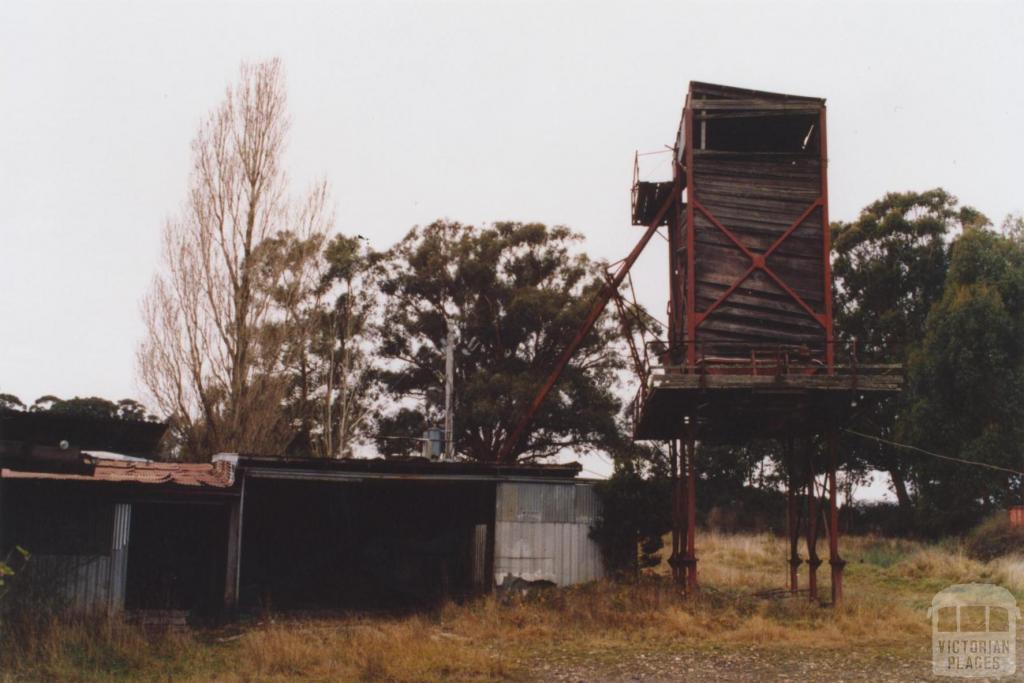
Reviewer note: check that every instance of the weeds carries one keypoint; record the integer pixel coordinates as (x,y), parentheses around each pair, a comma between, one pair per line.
(889,584)
(995,537)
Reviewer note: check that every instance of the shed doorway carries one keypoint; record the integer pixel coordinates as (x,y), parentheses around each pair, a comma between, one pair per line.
(177,558)
(363,544)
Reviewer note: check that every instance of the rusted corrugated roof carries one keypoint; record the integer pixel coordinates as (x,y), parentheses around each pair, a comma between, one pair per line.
(215,475)
(408,466)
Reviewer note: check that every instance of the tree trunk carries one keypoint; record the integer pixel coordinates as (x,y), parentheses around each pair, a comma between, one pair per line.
(899,485)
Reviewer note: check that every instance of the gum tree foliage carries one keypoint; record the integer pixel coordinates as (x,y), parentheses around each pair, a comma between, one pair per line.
(514,293)
(890,269)
(966,392)
(330,358)
(9,402)
(740,483)
(88,406)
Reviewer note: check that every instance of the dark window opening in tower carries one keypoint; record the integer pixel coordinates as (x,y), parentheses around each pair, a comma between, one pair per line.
(786,134)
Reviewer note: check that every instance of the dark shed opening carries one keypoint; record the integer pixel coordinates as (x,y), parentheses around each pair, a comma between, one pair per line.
(177,557)
(387,543)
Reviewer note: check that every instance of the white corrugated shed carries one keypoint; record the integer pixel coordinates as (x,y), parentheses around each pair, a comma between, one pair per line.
(542,532)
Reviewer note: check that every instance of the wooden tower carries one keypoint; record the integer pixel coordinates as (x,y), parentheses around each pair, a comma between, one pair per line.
(750,349)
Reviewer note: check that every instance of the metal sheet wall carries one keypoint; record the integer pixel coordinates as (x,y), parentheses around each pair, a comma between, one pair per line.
(80,582)
(536,502)
(588,505)
(91,583)
(542,532)
(119,555)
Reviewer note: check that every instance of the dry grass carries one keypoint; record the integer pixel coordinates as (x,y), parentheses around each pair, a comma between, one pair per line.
(889,584)
(754,562)
(952,565)
(410,649)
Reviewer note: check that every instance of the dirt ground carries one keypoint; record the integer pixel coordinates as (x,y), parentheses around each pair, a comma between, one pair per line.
(743,665)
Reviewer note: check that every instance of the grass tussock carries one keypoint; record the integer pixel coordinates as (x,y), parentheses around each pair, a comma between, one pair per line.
(889,584)
(943,566)
(994,538)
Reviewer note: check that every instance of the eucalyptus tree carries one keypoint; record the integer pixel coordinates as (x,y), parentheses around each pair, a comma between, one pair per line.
(890,269)
(513,294)
(966,393)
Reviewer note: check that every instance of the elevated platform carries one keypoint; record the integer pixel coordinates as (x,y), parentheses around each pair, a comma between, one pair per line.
(647,199)
(740,406)
(648,196)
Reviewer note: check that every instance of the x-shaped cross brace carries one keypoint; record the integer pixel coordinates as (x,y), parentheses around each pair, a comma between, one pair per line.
(759,262)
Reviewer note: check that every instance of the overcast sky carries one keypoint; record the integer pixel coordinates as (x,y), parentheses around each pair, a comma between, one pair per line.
(472,111)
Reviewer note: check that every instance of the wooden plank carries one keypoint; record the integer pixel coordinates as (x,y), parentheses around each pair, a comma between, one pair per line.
(791,107)
(701,89)
(796,321)
(718,328)
(234,553)
(865,383)
(758,302)
(758,284)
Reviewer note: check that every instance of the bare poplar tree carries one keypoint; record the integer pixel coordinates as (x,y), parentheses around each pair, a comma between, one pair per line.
(223,306)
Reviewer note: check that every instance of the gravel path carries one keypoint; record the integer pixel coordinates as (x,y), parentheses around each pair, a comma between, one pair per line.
(740,665)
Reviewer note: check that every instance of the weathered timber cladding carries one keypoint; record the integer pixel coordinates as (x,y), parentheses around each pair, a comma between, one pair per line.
(758,219)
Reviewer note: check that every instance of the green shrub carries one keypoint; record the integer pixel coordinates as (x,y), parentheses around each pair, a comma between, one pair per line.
(634,517)
(995,538)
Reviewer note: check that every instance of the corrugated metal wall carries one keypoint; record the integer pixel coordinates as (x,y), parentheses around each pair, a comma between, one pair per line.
(80,582)
(542,532)
(91,583)
(119,555)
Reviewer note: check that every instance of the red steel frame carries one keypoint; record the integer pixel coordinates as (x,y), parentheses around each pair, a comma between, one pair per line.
(609,290)
(683,326)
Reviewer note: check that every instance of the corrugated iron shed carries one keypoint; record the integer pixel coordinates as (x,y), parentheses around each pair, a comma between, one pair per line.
(542,532)
(530,520)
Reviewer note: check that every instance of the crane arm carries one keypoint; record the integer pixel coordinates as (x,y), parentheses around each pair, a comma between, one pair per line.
(506,453)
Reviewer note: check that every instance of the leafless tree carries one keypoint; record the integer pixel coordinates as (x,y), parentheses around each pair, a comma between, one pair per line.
(224,304)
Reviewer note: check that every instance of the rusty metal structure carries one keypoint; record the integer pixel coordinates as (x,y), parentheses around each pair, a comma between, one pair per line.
(751,351)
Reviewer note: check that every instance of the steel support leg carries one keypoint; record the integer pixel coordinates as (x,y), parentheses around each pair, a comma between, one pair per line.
(813,561)
(836,562)
(792,518)
(678,497)
(690,558)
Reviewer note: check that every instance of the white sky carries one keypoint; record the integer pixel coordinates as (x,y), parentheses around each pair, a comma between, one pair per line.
(472,111)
